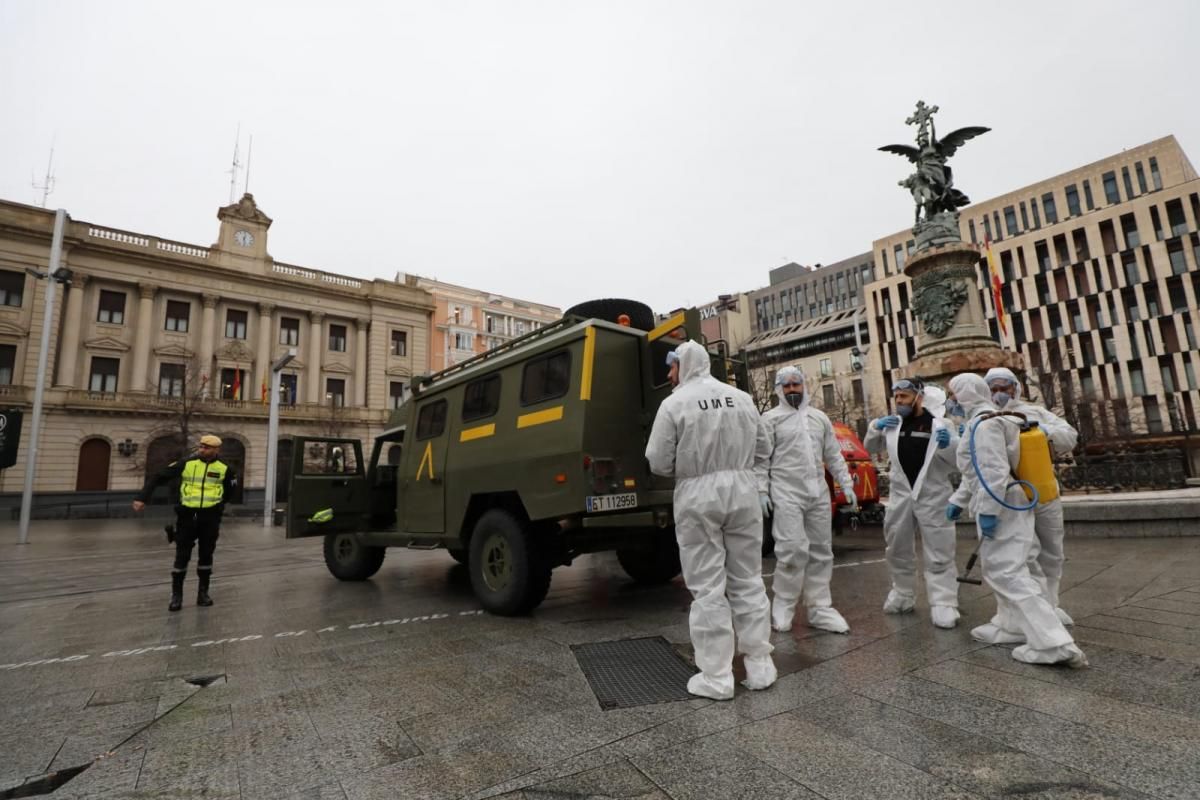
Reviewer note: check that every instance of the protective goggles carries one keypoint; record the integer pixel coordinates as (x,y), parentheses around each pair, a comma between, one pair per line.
(672,358)
(906,385)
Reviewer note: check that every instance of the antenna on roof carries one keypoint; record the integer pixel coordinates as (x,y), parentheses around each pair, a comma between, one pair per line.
(47,184)
(249,154)
(233,170)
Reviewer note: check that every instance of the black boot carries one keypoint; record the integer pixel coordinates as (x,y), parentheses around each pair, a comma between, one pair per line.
(176,591)
(202,598)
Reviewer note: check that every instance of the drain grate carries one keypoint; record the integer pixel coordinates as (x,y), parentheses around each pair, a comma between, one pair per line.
(634,672)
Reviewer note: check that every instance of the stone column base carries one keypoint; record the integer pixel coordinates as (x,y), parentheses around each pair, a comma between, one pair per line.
(941,367)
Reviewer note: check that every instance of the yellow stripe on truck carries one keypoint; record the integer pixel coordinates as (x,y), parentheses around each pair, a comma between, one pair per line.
(540,417)
(478,432)
(668,326)
(589,355)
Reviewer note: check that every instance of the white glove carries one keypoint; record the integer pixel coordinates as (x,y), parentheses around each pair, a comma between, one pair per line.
(851,498)
(764,500)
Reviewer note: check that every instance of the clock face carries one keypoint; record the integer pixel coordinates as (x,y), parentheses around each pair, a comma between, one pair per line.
(243,238)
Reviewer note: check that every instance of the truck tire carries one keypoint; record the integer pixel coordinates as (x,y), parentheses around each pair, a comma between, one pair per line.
(459,554)
(656,564)
(640,315)
(509,574)
(348,559)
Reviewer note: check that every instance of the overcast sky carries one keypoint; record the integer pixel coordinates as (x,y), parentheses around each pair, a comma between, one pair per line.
(558,151)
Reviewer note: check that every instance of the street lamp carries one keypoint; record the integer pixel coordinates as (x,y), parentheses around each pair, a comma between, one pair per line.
(273,434)
(55,274)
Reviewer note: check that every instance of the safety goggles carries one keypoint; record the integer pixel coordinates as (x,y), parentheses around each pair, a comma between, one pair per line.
(905,385)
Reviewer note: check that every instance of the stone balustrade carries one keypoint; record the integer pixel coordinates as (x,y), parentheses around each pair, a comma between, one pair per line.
(148,242)
(315,275)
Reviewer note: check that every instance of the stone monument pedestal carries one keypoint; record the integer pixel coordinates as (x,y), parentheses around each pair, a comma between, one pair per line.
(953,335)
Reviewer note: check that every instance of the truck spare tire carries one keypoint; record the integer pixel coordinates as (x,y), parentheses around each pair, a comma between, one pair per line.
(610,309)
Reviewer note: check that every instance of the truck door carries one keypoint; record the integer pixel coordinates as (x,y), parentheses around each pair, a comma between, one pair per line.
(423,491)
(327,487)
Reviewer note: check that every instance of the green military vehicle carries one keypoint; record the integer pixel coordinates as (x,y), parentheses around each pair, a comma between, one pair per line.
(515,461)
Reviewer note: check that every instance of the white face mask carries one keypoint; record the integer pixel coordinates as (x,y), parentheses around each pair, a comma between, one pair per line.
(1001,399)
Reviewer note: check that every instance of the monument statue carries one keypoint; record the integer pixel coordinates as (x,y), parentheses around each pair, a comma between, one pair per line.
(932,185)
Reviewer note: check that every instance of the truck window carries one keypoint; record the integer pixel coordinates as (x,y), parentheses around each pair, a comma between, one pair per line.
(658,354)
(481,398)
(431,420)
(330,458)
(546,378)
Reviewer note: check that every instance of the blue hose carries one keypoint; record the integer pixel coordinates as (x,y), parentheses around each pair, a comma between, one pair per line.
(983,482)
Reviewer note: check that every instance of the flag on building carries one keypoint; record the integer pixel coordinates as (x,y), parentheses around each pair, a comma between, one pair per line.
(237,384)
(997,295)
(264,391)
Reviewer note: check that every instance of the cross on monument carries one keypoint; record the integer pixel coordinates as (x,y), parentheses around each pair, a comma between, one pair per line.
(921,117)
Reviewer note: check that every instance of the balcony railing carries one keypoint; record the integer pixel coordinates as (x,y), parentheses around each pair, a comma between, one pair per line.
(147,242)
(134,402)
(315,275)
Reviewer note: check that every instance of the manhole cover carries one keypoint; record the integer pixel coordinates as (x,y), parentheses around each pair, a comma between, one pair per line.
(634,672)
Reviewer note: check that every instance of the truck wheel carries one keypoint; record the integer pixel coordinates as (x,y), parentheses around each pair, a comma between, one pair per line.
(640,315)
(459,554)
(509,574)
(651,565)
(349,559)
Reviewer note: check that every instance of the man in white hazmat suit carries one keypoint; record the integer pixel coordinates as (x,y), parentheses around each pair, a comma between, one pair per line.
(1046,562)
(704,436)
(790,465)
(1007,534)
(921,448)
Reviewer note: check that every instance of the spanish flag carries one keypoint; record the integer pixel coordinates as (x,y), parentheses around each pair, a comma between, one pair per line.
(997,297)
(237,384)
(264,391)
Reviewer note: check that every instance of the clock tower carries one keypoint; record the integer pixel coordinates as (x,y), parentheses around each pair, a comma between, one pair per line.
(243,229)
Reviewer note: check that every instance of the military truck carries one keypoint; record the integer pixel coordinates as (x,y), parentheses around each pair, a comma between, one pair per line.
(515,461)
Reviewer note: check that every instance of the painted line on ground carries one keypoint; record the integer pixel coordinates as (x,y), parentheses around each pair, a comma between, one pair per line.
(838,566)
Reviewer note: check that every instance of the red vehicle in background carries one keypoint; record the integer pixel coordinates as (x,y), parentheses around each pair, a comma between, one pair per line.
(866,483)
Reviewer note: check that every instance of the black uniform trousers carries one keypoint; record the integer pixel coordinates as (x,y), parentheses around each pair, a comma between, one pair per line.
(202,525)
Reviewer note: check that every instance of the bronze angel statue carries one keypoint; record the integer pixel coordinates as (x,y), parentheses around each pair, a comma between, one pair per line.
(932,185)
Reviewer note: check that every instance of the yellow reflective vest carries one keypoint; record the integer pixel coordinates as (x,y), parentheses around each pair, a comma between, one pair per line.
(202,483)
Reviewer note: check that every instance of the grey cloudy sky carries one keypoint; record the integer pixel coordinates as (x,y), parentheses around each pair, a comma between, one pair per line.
(559,150)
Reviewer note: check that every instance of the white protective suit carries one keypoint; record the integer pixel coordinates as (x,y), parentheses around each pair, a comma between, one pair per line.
(705,436)
(1046,561)
(1004,555)
(790,465)
(920,506)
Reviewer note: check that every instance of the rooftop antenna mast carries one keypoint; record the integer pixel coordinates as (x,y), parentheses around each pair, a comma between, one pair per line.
(233,169)
(249,155)
(47,184)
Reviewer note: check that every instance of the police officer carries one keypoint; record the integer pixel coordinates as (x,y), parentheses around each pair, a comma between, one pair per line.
(204,484)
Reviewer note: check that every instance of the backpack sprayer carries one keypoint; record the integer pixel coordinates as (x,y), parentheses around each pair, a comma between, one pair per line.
(1034,473)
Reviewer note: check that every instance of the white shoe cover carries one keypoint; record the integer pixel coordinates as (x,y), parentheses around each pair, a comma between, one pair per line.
(1068,654)
(993,634)
(898,603)
(702,685)
(760,672)
(944,616)
(782,615)
(1064,617)
(827,619)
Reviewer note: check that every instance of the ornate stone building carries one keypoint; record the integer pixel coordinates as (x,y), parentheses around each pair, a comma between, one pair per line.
(151,331)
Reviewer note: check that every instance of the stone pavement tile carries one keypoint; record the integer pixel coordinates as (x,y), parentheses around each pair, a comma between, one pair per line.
(83,748)
(1151,725)
(326,791)
(24,705)
(975,763)
(112,777)
(1086,635)
(206,767)
(711,767)
(1152,630)
(27,754)
(264,724)
(436,776)
(833,766)
(1153,769)
(619,781)
(1158,616)
(1128,677)
(438,729)
(184,723)
(121,693)
(1173,602)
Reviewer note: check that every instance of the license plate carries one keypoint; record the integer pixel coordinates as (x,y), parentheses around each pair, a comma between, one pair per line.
(612,502)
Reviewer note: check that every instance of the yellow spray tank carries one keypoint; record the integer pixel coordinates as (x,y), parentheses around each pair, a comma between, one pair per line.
(1037,467)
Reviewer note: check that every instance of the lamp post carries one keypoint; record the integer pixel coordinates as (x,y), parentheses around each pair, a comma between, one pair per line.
(54,274)
(273,435)
(861,355)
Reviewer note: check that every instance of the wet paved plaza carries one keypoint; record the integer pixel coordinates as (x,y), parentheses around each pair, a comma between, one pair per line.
(297,686)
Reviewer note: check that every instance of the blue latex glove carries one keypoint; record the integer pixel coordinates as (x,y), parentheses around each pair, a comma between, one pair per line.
(961,428)
(887,422)
(851,498)
(987,525)
(943,439)
(764,501)
(953,512)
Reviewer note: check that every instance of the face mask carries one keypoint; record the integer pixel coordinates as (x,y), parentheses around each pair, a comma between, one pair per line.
(794,400)
(955,409)
(1001,398)
(903,410)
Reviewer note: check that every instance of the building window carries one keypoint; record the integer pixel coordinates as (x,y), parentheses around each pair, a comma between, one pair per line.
(1128,182)
(1073,201)
(1136,381)
(550,376)
(1190,372)
(12,288)
(335,392)
(1130,265)
(1141,177)
(1155,178)
(1110,187)
(235,324)
(1130,230)
(289,331)
(1156,222)
(8,363)
(1061,251)
(970,227)
(1108,237)
(1153,415)
(337,338)
(170,379)
(287,389)
(520,328)
(395,394)
(1025,216)
(827,396)
(112,307)
(1056,326)
(1175,255)
(400,343)
(1109,344)
(1010,221)
(827,367)
(1033,206)
(996,221)
(233,384)
(987,228)
(481,398)
(1166,370)
(1049,210)
(1175,219)
(1087,195)
(464,341)
(178,313)
(1152,309)
(899,253)
(1043,255)
(104,374)
(1079,238)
